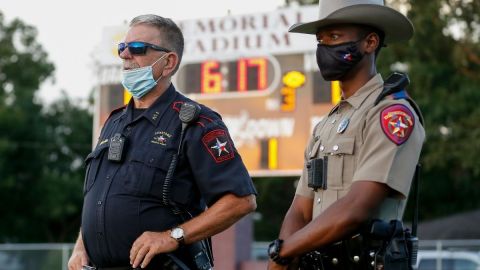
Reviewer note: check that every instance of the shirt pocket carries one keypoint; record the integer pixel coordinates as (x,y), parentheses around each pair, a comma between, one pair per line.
(146,171)
(341,165)
(92,163)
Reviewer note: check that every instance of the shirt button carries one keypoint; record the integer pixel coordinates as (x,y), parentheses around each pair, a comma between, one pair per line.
(108,177)
(152,160)
(333,121)
(335,147)
(99,202)
(322,148)
(319,200)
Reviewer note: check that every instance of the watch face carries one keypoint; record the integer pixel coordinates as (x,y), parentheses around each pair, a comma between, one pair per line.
(177,233)
(272,250)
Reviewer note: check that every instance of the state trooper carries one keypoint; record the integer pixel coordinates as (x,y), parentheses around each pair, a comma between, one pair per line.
(360,159)
(164,174)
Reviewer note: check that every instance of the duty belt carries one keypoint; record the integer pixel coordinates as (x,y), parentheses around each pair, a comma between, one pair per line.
(109,268)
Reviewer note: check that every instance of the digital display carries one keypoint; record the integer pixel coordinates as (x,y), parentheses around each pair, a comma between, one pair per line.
(242,75)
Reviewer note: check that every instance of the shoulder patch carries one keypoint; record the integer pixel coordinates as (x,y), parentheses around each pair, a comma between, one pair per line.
(219,146)
(397,123)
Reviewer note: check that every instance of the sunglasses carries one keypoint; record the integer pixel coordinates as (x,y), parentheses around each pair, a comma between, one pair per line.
(139,48)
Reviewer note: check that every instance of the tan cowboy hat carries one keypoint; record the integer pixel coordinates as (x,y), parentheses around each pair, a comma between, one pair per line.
(368,12)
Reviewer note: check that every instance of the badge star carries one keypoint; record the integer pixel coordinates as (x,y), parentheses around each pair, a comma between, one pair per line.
(398,127)
(221,147)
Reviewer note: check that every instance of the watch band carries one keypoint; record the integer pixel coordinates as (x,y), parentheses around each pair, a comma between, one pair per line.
(274,253)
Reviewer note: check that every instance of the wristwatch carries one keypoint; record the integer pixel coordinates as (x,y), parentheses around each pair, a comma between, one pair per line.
(178,234)
(274,253)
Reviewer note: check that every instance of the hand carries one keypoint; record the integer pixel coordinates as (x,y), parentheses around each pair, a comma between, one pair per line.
(78,259)
(150,244)
(275,266)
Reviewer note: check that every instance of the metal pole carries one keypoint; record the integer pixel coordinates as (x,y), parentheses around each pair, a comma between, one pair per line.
(439,257)
(65,251)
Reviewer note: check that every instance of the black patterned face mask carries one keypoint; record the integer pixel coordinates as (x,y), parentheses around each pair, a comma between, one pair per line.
(335,61)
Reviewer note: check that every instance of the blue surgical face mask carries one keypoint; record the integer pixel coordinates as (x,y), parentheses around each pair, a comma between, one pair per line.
(140,81)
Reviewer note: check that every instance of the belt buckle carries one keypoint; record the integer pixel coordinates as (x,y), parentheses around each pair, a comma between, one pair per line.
(87,267)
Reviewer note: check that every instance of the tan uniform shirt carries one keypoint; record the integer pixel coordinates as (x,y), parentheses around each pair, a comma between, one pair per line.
(364,151)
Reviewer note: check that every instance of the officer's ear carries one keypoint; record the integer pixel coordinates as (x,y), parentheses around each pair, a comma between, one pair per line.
(172,61)
(371,43)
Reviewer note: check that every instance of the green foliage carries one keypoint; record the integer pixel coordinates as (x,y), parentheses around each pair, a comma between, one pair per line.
(41,149)
(273,201)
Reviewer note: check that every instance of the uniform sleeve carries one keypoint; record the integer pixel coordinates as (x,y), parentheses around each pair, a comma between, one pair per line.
(302,187)
(392,145)
(216,165)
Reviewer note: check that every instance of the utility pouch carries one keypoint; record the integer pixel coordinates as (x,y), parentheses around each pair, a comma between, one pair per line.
(317,173)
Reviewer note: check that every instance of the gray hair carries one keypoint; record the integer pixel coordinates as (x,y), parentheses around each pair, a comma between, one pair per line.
(171,35)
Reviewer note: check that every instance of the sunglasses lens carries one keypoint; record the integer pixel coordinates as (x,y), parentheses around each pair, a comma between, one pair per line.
(137,47)
(121,47)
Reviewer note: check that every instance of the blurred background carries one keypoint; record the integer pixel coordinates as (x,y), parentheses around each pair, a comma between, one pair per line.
(59,78)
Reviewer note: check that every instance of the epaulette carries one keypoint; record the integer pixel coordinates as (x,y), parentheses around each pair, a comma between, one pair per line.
(202,120)
(394,88)
(116,111)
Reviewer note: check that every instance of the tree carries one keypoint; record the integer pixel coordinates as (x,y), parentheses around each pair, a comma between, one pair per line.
(275,196)
(40,179)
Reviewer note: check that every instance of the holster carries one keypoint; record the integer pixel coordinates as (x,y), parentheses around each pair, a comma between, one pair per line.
(189,257)
(201,254)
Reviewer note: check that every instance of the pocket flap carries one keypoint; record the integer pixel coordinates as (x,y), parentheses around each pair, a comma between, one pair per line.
(159,160)
(340,146)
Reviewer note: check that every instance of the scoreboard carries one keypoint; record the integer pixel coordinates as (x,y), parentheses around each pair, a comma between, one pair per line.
(227,79)
(262,80)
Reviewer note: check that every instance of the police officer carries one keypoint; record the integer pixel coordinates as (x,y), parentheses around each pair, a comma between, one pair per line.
(125,221)
(363,154)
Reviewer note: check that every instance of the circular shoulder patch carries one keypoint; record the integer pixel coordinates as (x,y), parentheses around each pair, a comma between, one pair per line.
(397,123)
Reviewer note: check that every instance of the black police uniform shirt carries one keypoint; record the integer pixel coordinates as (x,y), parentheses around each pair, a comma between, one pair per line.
(124,199)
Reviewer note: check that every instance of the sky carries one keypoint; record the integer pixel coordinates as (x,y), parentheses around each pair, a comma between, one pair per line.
(70,30)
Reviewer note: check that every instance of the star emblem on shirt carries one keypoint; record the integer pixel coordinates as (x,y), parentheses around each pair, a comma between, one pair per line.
(220,146)
(399,127)
(162,139)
